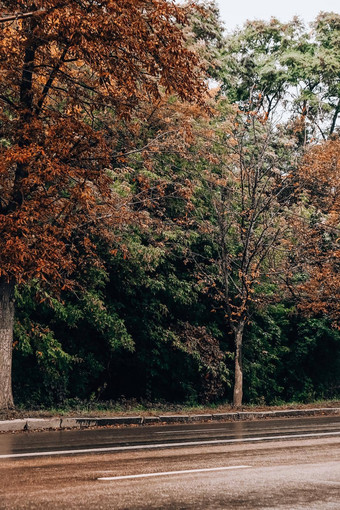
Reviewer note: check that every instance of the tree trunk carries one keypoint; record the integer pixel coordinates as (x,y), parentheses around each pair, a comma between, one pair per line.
(6,342)
(238,383)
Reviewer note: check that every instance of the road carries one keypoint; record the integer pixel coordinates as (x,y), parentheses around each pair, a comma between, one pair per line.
(287,463)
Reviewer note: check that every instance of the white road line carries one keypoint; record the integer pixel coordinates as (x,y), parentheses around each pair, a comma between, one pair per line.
(189,431)
(213,442)
(167,473)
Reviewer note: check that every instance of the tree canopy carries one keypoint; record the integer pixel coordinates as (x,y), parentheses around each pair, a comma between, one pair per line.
(169,204)
(70,73)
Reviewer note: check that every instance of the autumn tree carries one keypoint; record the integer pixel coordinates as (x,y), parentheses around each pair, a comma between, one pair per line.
(70,72)
(318,231)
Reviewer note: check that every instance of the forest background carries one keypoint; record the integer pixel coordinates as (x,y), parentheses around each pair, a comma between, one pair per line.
(169,213)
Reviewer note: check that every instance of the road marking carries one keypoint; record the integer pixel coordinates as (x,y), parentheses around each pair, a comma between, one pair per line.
(213,442)
(189,431)
(329,482)
(167,473)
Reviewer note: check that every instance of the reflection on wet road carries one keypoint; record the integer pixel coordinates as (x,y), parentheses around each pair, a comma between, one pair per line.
(156,436)
(239,465)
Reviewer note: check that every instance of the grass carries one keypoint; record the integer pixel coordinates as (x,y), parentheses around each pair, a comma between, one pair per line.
(124,407)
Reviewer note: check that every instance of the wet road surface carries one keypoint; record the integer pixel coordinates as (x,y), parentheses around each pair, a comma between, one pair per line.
(286,463)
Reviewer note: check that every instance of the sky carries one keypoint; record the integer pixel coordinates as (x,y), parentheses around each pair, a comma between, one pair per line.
(235,12)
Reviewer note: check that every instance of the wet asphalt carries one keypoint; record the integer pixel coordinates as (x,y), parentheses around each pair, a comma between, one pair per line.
(286,463)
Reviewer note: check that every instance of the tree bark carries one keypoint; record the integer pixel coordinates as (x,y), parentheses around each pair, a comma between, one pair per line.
(238,382)
(6,343)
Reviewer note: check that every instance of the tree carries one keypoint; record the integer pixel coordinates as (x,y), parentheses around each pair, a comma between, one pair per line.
(276,72)
(318,230)
(290,71)
(245,193)
(66,68)
(205,34)
(232,217)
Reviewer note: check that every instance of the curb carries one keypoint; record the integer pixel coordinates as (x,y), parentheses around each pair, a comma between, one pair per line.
(27,424)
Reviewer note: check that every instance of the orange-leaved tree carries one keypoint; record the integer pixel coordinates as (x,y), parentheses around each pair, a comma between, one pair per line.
(319,230)
(71,72)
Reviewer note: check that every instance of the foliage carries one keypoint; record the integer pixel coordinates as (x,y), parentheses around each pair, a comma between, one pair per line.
(287,71)
(55,339)
(290,357)
(71,74)
(167,240)
(64,70)
(242,221)
(318,232)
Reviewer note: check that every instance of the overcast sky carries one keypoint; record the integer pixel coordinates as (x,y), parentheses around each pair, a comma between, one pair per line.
(236,12)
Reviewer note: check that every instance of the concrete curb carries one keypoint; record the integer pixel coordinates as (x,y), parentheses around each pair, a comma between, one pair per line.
(42,423)
(27,424)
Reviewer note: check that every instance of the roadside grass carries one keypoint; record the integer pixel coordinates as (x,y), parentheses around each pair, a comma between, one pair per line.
(132,407)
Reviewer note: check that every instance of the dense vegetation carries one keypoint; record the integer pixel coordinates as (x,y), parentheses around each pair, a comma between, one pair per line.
(169,217)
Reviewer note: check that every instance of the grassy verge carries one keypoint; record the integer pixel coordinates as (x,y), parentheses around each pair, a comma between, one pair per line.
(133,408)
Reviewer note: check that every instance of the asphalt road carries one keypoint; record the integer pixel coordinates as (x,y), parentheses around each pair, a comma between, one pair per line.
(286,463)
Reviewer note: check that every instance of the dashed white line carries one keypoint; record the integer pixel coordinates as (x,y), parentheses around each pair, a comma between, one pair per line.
(213,442)
(168,473)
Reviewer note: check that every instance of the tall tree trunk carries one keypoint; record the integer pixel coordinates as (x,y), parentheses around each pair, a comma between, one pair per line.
(238,383)
(6,342)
